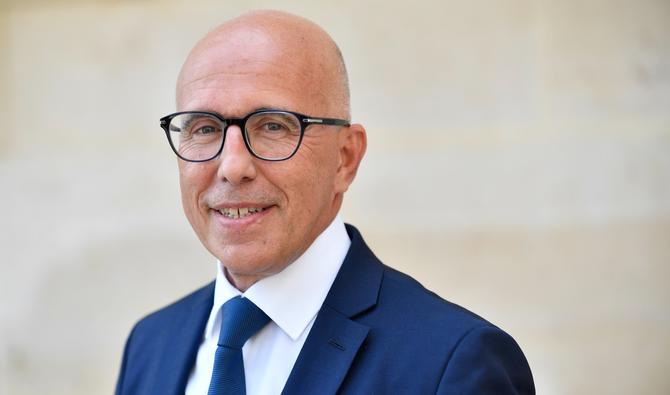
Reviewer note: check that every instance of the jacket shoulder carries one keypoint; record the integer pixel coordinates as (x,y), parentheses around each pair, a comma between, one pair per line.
(155,340)
(435,345)
(411,299)
(174,310)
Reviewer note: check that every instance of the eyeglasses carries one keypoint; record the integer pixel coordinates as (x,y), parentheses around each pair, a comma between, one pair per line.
(273,135)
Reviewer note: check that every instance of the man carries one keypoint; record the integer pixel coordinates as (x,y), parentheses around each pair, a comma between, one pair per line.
(300,304)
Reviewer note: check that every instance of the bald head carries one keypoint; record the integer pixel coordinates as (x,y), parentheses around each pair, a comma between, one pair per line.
(288,47)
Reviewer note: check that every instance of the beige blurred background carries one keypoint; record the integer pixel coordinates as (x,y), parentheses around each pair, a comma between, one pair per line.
(518,165)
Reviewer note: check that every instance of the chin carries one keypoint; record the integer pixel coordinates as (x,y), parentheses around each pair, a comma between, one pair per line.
(242,261)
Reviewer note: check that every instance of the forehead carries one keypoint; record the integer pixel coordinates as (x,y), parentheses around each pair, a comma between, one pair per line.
(241,71)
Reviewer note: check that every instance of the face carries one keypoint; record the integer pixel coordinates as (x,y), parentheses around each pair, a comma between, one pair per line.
(258,216)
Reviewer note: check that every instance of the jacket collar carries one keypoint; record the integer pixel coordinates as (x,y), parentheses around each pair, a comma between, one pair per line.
(356,287)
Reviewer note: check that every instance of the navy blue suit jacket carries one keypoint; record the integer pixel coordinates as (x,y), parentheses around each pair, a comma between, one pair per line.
(378,332)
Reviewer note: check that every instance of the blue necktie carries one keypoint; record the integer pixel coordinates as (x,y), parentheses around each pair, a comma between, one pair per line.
(241,319)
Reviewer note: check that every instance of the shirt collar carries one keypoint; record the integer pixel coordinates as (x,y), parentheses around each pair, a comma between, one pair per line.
(292,297)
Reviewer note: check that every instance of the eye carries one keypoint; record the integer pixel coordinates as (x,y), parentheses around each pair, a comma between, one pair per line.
(205,130)
(273,126)
(203,127)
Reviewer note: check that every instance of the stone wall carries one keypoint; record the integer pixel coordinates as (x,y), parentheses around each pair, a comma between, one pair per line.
(518,165)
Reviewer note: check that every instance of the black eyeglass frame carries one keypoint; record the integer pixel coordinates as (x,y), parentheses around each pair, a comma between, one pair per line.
(305,121)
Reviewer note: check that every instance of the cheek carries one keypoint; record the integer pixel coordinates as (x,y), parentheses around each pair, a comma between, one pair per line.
(192,181)
(312,185)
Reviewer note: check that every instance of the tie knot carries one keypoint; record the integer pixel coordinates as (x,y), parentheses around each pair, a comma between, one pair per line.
(241,320)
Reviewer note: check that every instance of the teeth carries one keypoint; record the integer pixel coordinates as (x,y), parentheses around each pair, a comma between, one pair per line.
(242,212)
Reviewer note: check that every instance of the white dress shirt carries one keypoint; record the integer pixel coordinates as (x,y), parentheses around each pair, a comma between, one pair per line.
(291,298)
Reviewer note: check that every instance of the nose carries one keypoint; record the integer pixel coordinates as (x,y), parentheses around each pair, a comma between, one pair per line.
(236,165)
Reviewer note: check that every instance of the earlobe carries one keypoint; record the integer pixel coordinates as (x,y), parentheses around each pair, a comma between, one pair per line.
(352,144)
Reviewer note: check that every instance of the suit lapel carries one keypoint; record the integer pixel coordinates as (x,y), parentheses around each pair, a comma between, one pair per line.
(335,337)
(327,354)
(183,338)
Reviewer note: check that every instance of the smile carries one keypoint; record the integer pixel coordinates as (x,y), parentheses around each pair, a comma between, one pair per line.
(241,212)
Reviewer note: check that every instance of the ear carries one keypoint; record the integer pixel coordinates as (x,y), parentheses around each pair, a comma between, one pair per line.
(352,143)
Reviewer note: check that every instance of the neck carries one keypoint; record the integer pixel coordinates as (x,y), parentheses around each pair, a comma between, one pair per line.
(241,282)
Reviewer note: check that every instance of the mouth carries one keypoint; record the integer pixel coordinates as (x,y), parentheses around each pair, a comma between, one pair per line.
(240,212)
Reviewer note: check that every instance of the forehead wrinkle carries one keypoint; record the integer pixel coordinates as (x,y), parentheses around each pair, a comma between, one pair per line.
(212,102)
(210,89)
(242,69)
(222,69)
